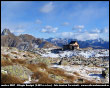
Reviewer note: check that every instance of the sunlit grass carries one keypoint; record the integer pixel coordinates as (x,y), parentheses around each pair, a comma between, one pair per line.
(9,79)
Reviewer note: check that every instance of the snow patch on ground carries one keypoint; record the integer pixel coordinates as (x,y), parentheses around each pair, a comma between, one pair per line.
(69,54)
(82,70)
(28,81)
(50,55)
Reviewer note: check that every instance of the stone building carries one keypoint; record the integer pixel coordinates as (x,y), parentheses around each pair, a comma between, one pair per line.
(71,46)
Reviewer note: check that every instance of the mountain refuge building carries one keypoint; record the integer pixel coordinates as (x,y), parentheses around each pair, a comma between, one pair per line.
(71,46)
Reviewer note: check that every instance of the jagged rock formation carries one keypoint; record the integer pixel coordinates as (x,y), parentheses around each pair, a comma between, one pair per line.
(6,32)
(8,39)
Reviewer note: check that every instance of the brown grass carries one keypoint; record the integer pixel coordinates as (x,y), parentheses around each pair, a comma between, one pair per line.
(70,78)
(6,55)
(6,63)
(28,53)
(60,82)
(77,74)
(56,71)
(42,65)
(43,78)
(20,61)
(32,67)
(35,67)
(14,52)
(60,72)
(12,61)
(89,82)
(8,79)
(46,80)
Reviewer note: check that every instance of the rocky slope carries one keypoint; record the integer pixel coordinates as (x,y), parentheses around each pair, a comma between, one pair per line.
(25,67)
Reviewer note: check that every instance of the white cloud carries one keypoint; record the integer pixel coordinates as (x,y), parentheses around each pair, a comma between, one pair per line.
(38,21)
(65,24)
(49,29)
(78,27)
(86,36)
(105,30)
(95,31)
(89,13)
(80,36)
(20,31)
(16,29)
(80,30)
(47,7)
(20,27)
(67,34)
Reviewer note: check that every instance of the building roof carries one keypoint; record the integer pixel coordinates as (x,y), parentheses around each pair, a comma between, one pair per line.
(72,42)
(75,45)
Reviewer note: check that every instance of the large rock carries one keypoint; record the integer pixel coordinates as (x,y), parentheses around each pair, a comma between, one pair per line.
(18,71)
(104,73)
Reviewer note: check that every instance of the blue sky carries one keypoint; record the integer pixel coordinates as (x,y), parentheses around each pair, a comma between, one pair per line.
(82,20)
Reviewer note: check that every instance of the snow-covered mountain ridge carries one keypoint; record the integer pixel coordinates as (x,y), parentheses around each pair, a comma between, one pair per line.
(96,43)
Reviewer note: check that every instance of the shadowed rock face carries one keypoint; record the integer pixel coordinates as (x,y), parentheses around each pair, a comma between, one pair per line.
(8,39)
(22,42)
(6,32)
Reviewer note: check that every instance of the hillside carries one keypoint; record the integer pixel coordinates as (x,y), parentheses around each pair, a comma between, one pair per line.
(23,41)
(23,67)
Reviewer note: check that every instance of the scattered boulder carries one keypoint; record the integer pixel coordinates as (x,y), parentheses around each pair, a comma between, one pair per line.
(104,73)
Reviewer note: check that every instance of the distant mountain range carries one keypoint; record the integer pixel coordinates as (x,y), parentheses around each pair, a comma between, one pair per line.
(29,42)
(96,44)
(23,41)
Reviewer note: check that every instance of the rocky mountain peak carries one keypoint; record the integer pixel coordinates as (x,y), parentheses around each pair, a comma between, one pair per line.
(6,32)
(23,42)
